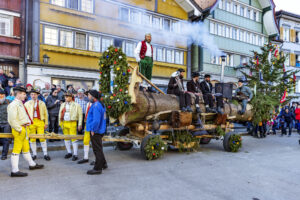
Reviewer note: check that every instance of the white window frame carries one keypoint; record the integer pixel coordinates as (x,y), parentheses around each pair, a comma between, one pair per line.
(99,44)
(85,8)
(60,38)
(127,43)
(111,41)
(85,40)
(7,20)
(57,36)
(181,57)
(61,3)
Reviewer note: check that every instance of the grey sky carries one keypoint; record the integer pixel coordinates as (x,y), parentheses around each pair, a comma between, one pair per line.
(288,5)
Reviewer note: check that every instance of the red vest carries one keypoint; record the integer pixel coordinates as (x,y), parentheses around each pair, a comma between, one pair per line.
(37,109)
(144,49)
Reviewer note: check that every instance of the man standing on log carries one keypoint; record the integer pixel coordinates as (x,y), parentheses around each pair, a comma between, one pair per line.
(144,56)
(193,86)
(176,87)
(96,125)
(19,120)
(38,112)
(245,94)
(70,113)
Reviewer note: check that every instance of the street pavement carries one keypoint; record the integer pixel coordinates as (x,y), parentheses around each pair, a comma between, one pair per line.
(264,169)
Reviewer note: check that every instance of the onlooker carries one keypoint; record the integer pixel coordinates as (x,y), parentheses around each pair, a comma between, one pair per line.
(287,117)
(96,124)
(82,101)
(297,113)
(4,126)
(18,81)
(3,79)
(12,76)
(28,89)
(60,93)
(11,96)
(53,86)
(9,87)
(53,104)
(47,90)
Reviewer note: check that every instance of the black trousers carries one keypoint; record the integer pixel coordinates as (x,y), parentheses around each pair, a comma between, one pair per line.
(98,151)
(5,128)
(209,100)
(53,126)
(83,125)
(184,99)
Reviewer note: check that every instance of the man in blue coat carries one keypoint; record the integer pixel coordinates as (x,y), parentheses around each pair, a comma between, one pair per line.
(96,125)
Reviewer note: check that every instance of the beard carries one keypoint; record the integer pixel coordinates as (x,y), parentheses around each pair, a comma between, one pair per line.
(2,100)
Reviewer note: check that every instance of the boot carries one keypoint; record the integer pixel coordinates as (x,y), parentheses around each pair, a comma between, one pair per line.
(37,166)
(18,174)
(74,158)
(3,157)
(105,166)
(67,156)
(94,172)
(83,161)
(33,157)
(92,163)
(46,157)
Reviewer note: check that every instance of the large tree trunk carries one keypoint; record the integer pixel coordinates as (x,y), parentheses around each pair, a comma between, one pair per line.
(145,104)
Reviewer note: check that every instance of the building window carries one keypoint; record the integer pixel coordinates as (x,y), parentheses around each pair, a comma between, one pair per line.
(135,17)
(298,37)
(224,31)
(215,60)
(242,10)
(51,36)
(241,35)
(260,41)
(244,60)
(106,42)
(227,31)
(80,41)
(94,43)
(167,24)
(286,34)
(235,7)
(66,39)
(297,60)
(221,4)
(129,48)
(170,57)
(160,54)
(146,20)
(212,28)
(248,13)
(176,26)
(228,5)
(229,60)
(234,33)
(156,22)
(73,4)
(287,59)
(59,2)
(5,26)
(179,57)
(87,6)
(220,28)
(255,15)
(124,14)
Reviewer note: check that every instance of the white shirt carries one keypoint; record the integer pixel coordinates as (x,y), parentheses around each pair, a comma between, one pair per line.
(67,113)
(138,50)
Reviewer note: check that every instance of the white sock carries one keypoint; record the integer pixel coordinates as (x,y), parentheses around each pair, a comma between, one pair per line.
(44,147)
(197,106)
(14,162)
(33,148)
(28,158)
(75,147)
(68,146)
(86,149)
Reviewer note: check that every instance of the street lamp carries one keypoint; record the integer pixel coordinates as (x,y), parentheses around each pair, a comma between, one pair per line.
(223,57)
(46,58)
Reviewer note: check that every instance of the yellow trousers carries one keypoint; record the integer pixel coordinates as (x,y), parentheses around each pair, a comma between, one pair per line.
(21,143)
(38,127)
(69,128)
(86,138)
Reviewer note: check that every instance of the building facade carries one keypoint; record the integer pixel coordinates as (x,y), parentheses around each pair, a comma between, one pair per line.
(290,35)
(12,36)
(238,28)
(72,34)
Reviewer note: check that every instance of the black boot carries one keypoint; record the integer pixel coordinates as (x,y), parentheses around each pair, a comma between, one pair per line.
(94,172)
(18,174)
(46,157)
(74,158)
(3,157)
(105,166)
(33,157)
(83,161)
(67,156)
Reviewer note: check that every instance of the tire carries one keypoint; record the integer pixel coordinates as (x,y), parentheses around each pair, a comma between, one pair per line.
(124,146)
(226,141)
(143,145)
(205,140)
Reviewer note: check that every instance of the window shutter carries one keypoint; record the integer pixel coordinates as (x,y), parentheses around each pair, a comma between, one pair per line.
(292,59)
(291,35)
(281,33)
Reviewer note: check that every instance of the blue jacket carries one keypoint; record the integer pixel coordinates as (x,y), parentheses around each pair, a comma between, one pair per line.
(96,120)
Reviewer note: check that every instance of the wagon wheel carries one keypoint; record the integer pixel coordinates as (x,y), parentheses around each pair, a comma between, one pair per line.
(227,140)
(205,140)
(146,142)
(124,146)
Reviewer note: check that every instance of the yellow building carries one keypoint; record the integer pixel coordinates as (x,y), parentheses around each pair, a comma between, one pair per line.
(73,33)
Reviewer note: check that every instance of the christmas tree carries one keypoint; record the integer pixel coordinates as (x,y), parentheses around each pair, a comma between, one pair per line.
(270,82)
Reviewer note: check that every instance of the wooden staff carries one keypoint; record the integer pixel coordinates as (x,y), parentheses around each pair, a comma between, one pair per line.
(143,77)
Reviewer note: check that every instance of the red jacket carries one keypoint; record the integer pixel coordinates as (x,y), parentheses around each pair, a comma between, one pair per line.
(297,113)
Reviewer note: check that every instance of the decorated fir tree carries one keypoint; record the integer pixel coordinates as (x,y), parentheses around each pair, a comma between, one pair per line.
(270,82)
(114,80)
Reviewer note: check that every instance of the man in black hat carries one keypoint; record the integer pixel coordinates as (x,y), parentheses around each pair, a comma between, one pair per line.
(193,86)
(245,95)
(4,126)
(96,125)
(20,120)
(176,87)
(206,88)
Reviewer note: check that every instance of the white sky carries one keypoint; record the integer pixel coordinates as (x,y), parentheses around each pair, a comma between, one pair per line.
(288,5)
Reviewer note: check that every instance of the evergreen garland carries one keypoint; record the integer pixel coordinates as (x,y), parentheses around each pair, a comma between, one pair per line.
(235,142)
(155,147)
(183,138)
(114,93)
(268,79)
